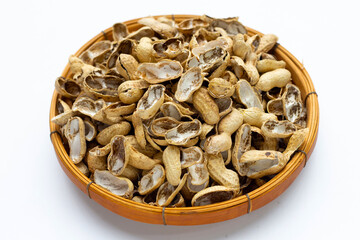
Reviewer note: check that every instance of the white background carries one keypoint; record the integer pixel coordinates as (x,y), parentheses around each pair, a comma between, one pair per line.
(37,199)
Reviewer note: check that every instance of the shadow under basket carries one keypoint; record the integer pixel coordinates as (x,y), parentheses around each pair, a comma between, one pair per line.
(204,214)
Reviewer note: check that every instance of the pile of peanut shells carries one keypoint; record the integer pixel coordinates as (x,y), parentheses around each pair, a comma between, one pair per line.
(180,114)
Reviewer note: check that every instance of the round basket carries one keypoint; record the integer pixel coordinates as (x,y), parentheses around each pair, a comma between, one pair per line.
(205,214)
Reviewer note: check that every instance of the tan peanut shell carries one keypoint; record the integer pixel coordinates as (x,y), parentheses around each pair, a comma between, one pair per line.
(295,141)
(141,33)
(96,158)
(207,107)
(171,160)
(183,57)
(151,101)
(159,72)
(190,156)
(245,70)
(167,192)
(117,109)
(267,65)
(276,78)
(123,46)
(126,66)
(161,28)
(238,66)
(167,49)
(220,173)
(218,143)
(231,25)
(120,31)
(161,125)
(138,129)
(189,26)
(189,82)
(267,42)
(259,182)
(82,70)
(247,95)
(183,133)
(63,117)
(118,157)
(259,163)
(231,122)
(67,87)
(201,36)
(220,67)
(275,106)
(92,55)
(241,145)
(152,180)
(209,60)
(90,130)
(117,185)
(89,107)
(143,50)
(250,68)
(240,47)
(104,87)
(294,109)
(220,88)
(212,195)
(75,135)
(139,160)
(198,174)
(122,128)
(222,42)
(171,109)
(278,129)
(266,56)
(160,141)
(256,117)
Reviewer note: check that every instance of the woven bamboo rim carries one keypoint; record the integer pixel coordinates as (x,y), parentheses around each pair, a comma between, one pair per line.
(204,214)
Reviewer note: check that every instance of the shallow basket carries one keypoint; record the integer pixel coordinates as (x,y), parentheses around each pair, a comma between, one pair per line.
(204,214)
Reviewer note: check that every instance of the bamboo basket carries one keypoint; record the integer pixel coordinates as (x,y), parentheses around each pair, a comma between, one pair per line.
(204,214)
